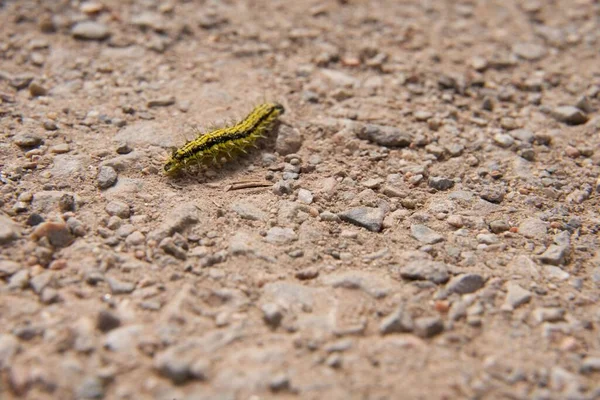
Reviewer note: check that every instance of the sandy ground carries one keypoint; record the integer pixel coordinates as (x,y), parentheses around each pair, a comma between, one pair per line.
(423,224)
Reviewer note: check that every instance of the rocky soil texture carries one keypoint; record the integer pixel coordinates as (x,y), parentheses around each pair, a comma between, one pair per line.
(423,224)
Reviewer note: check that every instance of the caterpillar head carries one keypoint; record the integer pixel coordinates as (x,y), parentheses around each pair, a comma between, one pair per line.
(171,167)
(278,108)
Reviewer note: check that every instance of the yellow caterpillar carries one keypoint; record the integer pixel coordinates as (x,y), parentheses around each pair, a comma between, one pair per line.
(224,141)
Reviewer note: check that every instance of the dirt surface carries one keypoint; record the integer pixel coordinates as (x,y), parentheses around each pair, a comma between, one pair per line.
(423,224)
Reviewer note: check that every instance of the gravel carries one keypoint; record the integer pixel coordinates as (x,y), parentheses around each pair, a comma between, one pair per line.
(424,197)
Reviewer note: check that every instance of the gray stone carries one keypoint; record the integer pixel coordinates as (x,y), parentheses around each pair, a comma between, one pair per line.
(307,273)
(164,101)
(168,246)
(548,314)
(50,296)
(370,283)
(107,321)
(440,183)
(119,287)
(272,314)
(243,243)
(367,217)
(434,271)
(385,135)
(282,187)
(503,140)
(529,51)
(487,238)
(570,115)
(277,235)
(48,201)
(90,30)
(425,234)
(58,233)
(107,177)
(9,230)
(249,211)
(39,282)
(279,383)
(28,140)
(516,295)
(66,168)
(305,196)
(588,365)
(150,20)
(118,208)
(19,280)
(555,255)
(339,78)
(289,140)
(177,220)
(174,368)
(397,322)
(50,125)
(466,283)
(36,89)
(9,346)
(493,195)
(123,339)
(524,135)
(499,226)
(427,327)
(91,387)
(136,238)
(8,268)
(596,276)
(533,228)
(555,273)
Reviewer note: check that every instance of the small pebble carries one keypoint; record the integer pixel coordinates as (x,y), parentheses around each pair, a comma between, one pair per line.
(107,177)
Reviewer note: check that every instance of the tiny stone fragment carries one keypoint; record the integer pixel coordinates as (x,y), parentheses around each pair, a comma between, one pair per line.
(367,217)
(272,314)
(161,102)
(440,183)
(119,287)
(466,283)
(516,295)
(570,115)
(58,233)
(90,30)
(107,320)
(385,135)
(118,208)
(289,140)
(434,271)
(107,177)
(397,322)
(425,234)
(427,327)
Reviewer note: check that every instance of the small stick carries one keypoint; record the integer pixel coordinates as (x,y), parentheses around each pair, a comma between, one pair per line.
(246,185)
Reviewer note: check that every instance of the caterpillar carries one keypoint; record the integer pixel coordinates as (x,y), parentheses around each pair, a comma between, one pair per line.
(212,145)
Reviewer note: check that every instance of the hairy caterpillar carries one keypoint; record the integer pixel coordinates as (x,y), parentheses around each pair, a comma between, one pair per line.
(212,145)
